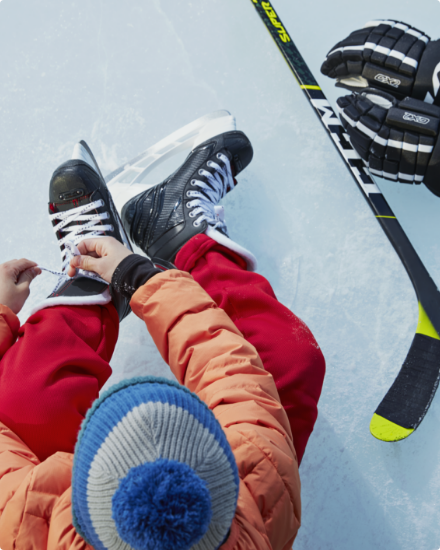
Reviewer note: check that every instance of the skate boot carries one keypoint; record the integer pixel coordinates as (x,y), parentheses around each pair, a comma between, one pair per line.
(163,218)
(81,207)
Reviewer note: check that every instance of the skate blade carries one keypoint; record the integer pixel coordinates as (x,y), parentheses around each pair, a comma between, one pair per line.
(127,182)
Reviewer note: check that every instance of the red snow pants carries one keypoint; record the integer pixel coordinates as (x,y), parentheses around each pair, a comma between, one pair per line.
(50,377)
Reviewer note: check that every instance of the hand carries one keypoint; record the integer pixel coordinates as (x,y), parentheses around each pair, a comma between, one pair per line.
(101,255)
(398,140)
(15,278)
(388,55)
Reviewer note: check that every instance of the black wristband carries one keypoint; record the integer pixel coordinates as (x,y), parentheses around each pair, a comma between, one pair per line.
(133,272)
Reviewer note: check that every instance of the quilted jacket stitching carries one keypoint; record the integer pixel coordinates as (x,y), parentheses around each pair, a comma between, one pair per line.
(28,488)
(266,457)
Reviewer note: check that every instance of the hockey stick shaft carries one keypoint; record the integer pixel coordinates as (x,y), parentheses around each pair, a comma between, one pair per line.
(407,401)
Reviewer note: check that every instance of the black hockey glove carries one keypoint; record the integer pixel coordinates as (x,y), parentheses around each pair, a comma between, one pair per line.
(388,55)
(398,140)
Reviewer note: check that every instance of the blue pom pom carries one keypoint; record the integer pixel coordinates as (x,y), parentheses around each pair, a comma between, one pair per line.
(162,505)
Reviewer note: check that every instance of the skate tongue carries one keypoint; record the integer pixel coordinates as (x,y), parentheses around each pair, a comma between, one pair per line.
(220,224)
(68,205)
(81,153)
(219,213)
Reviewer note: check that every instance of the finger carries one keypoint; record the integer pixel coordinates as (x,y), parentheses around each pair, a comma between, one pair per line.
(83,262)
(91,254)
(13,268)
(89,247)
(22,265)
(426,146)
(27,276)
(346,57)
(71,271)
(353,46)
(97,248)
(380,142)
(408,160)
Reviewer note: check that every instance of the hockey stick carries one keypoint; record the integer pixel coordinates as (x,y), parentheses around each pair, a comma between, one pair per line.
(407,401)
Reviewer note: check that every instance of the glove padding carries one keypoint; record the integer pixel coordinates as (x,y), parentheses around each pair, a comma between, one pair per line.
(387,55)
(397,140)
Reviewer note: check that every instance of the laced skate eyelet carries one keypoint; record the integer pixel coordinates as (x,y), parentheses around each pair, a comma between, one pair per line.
(219,156)
(195,224)
(193,182)
(188,194)
(201,172)
(188,205)
(191,214)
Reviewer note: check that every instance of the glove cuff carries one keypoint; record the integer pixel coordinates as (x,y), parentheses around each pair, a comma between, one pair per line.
(428,75)
(131,273)
(432,176)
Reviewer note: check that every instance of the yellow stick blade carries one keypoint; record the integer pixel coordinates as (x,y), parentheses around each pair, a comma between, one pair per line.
(385,430)
(424,325)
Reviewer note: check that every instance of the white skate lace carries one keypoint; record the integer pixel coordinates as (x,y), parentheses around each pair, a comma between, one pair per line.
(221,181)
(77,233)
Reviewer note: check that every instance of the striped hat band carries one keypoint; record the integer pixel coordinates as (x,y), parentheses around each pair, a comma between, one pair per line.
(153,470)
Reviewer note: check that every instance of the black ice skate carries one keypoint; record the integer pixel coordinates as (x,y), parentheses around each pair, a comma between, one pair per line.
(81,207)
(163,218)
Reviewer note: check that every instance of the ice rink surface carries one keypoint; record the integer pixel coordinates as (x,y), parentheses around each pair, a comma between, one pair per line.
(124,74)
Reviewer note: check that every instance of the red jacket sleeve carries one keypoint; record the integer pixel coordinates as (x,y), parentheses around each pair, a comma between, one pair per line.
(9,325)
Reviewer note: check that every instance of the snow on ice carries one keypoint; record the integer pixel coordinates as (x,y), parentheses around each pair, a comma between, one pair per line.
(123,75)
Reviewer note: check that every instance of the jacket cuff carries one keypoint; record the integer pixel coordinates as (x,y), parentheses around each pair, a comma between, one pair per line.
(9,325)
(133,272)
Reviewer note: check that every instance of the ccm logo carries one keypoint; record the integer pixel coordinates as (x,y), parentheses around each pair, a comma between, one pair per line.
(415,118)
(394,82)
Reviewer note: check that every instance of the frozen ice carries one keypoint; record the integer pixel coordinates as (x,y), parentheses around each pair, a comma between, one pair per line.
(122,75)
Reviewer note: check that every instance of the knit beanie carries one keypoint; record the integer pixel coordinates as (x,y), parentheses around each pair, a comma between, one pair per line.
(153,470)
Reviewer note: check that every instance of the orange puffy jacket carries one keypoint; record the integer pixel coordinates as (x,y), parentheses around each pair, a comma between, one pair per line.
(209,355)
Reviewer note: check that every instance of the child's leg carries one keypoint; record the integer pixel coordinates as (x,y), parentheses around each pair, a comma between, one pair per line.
(285,344)
(53,373)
